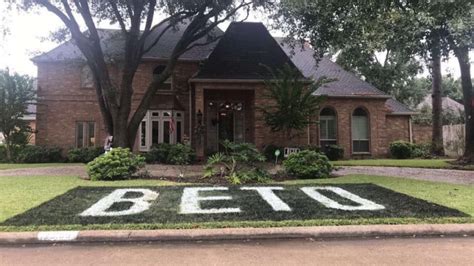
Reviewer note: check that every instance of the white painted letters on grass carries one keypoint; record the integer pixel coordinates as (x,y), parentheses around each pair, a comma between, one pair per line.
(365,204)
(139,204)
(269,196)
(190,201)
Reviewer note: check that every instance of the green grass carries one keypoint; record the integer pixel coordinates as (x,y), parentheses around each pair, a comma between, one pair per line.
(417,163)
(6,166)
(19,194)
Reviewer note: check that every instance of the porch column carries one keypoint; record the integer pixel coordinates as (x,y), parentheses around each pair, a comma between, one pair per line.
(199,127)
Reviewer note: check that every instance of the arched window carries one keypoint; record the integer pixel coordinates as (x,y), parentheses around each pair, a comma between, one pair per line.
(327,127)
(360,131)
(166,86)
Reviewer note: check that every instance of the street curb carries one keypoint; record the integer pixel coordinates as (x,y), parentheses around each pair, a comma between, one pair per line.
(317,232)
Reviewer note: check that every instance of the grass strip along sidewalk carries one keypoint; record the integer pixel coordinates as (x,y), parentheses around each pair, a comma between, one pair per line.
(191,204)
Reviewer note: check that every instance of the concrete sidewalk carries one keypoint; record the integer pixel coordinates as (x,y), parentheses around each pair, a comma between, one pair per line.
(316,232)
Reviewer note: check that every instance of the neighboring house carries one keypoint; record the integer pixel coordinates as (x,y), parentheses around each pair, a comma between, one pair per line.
(214,94)
(446,104)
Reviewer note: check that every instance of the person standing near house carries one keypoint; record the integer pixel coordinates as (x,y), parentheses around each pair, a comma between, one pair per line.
(108,143)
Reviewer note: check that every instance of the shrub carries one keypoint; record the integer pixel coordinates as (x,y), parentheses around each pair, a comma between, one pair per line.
(238,163)
(334,152)
(308,164)
(310,148)
(39,154)
(422,150)
(401,149)
(269,152)
(171,154)
(119,163)
(3,154)
(84,155)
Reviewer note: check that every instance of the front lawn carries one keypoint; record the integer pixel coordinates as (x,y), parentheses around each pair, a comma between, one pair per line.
(6,166)
(417,163)
(19,194)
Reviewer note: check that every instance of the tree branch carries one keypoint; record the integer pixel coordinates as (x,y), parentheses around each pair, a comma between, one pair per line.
(116,12)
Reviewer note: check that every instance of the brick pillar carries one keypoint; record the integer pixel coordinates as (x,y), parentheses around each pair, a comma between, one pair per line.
(199,138)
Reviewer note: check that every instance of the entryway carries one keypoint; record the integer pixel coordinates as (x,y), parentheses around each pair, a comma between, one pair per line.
(229,116)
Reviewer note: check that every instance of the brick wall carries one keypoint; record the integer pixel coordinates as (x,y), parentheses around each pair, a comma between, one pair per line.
(422,134)
(62,102)
(398,128)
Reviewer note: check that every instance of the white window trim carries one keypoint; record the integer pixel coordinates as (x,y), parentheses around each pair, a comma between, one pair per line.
(149,119)
(85,134)
(327,118)
(360,139)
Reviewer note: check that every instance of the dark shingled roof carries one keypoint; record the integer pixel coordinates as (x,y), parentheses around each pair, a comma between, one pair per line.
(346,84)
(398,108)
(239,55)
(246,51)
(112,44)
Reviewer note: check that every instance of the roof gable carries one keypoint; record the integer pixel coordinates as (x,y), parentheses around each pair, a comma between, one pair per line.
(112,43)
(246,51)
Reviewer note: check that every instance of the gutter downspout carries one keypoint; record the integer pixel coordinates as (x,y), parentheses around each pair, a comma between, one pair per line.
(191,114)
(410,129)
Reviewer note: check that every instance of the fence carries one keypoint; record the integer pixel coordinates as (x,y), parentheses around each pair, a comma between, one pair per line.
(454,139)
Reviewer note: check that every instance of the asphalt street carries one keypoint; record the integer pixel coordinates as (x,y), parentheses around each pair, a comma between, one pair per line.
(399,251)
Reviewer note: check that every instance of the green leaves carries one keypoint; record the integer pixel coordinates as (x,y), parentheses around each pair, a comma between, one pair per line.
(292,100)
(16,93)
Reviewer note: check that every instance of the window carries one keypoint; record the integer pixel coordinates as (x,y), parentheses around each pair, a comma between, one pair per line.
(87,79)
(85,134)
(327,128)
(161,127)
(166,86)
(360,131)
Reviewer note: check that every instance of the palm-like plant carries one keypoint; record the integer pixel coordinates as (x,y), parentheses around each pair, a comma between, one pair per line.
(293,101)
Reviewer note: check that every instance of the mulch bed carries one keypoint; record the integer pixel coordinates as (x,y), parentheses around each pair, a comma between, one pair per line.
(65,209)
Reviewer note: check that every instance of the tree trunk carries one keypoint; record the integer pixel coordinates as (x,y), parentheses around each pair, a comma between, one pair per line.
(8,147)
(462,53)
(437,138)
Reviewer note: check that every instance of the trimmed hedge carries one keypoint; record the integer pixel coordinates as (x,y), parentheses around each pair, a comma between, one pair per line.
(84,155)
(179,154)
(39,154)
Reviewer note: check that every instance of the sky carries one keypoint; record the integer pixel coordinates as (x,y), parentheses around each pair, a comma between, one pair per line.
(29,32)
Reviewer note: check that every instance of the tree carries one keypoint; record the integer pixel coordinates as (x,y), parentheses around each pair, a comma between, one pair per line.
(414,91)
(292,101)
(390,71)
(135,19)
(411,28)
(16,93)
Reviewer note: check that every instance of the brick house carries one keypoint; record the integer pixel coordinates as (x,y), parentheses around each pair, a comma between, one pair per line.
(214,94)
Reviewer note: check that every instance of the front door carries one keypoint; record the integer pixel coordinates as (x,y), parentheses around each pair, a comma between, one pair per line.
(226,127)
(225,122)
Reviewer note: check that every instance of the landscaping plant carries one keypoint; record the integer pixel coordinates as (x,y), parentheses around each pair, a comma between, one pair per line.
(238,163)
(269,152)
(308,164)
(119,163)
(39,154)
(334,152)
(84,155)
(179,154)
(401,149)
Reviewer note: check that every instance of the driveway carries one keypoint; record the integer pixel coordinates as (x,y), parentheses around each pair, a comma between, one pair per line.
(435,175)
